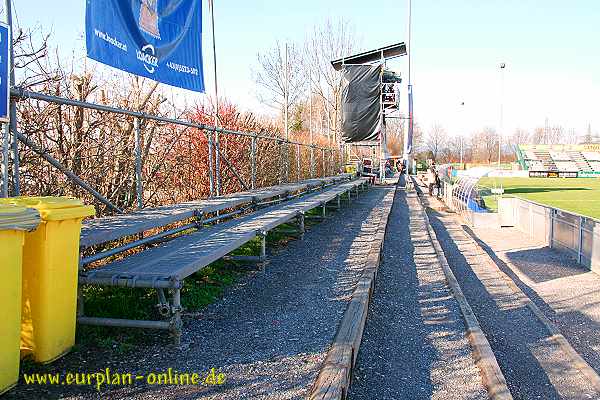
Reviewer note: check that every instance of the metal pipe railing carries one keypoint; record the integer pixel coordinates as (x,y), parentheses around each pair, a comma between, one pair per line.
(56,164)
(19,93)
(22,94)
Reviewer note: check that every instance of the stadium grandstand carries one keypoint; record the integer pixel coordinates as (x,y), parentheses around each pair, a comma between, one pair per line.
(581,160)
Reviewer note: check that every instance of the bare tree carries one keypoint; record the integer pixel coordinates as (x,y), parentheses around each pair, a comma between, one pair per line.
(395,127)
(549,135)
(539,136)
(270,77)
(312,79)
(327,42)
(557,135)
(520,136)
(453,148)
(437,141)
(486,145)
(31,52)
(418,137)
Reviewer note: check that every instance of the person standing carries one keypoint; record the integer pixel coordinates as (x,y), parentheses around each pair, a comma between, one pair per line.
(431,180)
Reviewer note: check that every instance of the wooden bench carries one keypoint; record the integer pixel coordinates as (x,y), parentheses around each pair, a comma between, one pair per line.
(166,266)
(108,229)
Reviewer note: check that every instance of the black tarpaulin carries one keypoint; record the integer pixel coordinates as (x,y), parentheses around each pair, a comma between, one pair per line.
(360,102)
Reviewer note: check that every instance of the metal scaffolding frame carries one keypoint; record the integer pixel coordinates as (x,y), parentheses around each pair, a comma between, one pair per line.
(372,57)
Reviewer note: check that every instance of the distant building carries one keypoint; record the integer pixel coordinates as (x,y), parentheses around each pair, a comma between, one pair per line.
(574,160)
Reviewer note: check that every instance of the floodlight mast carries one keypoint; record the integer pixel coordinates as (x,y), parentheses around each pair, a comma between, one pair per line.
(501,130)
(408,136)
(216,118)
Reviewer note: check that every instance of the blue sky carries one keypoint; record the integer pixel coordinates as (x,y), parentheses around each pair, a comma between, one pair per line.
(551,49)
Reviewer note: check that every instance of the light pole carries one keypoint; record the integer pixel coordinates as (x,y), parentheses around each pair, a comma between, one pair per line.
(502,68)
(409,132)
(461,137)
(216,119)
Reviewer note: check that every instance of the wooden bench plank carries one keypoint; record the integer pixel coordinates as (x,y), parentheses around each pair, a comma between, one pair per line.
(183,256)
(102,230)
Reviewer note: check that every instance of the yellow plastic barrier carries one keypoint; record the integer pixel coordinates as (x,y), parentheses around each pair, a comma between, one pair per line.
(14,221)
(50,263)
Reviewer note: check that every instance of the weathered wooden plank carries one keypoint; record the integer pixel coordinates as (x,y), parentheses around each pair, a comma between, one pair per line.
(185,255)
(102,230)
(331,382)
(334,377)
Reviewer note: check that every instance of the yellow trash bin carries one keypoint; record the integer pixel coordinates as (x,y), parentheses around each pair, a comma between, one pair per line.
(14,222)
(50,266)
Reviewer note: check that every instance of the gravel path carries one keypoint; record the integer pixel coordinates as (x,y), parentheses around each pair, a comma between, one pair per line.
(414,344)
(269,333)
(533,365)
(566,292)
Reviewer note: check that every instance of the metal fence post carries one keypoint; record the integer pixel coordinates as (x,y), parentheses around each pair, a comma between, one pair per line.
(12,105)
(312,160)
(280,166)
(580,240)
(331,165)
(15,143)
(211,178)
(551,233)
(298,159)
(138,163)
(253,163)
(217,163)
(288,161)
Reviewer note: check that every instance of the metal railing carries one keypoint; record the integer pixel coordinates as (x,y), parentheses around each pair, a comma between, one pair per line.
(577,234)
(18,93)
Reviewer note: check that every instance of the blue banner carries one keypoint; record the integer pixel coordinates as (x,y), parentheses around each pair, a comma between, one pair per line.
(157,39)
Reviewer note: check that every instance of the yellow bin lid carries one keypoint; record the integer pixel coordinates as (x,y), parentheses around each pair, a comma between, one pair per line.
(18,218)
(54,208)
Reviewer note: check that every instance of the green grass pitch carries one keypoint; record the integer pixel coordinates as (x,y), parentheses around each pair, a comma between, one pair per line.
(579,195)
